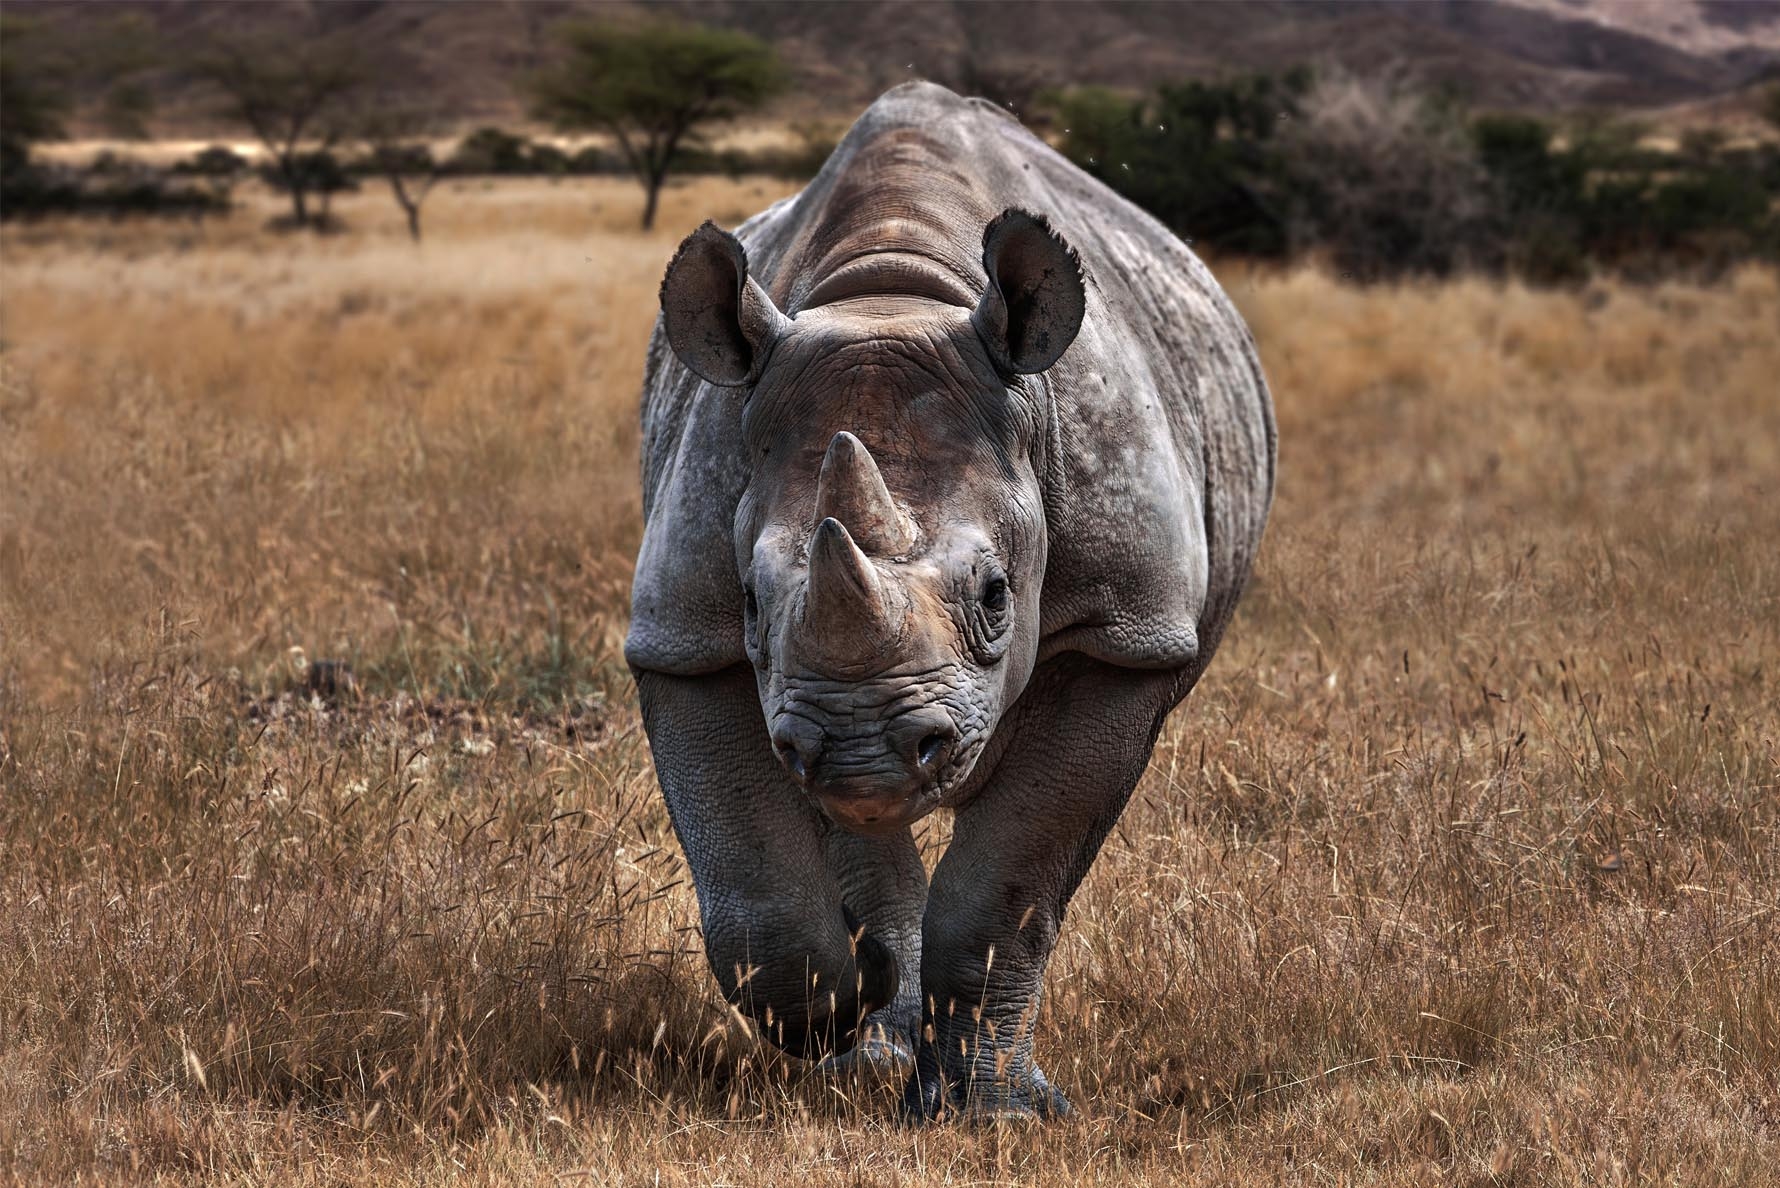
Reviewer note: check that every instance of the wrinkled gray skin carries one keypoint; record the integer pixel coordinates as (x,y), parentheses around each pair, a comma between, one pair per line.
(955,465)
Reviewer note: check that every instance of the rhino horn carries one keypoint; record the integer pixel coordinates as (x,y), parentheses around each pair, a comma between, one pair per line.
(847,606)
(852,490)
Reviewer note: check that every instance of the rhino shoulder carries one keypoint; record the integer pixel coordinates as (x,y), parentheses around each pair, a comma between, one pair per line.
(686,614)
(1127,568)
(1161,462)
(686,595)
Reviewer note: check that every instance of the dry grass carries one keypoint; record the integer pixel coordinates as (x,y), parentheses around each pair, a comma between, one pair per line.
(1460,865)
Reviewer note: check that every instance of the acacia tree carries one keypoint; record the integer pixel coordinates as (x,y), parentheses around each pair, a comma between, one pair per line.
(651,87)
(294,94)
(396,135)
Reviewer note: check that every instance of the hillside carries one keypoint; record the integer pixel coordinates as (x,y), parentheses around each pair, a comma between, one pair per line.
(1539,54)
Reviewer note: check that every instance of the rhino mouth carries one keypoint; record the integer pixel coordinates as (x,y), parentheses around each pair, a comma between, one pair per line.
(872,815)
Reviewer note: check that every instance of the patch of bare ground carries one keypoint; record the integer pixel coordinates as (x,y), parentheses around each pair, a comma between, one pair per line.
(1460,866)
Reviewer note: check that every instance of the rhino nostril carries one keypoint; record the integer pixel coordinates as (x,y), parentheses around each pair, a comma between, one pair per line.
(925,739)
(797,749)
(932,750)
(791,759)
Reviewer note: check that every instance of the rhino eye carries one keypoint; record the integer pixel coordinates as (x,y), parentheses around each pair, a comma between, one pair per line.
(988,616)
(994,597)
(752,628)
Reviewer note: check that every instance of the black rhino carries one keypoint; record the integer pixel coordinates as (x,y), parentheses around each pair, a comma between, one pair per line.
(954,467)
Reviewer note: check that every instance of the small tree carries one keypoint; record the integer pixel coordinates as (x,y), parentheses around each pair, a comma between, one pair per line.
(396,134)
(652,86)
(294,94)
(491,150)
(218,168)
(411,171)
(321,174)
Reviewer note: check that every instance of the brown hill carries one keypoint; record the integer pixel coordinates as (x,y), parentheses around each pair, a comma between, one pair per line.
(1543,54)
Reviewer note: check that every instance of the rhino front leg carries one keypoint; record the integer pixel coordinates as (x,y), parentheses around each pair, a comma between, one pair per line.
(1082,738)
(886,881)
(779,932)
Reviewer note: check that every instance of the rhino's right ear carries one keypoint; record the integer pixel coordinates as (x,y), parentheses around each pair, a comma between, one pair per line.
(720,322)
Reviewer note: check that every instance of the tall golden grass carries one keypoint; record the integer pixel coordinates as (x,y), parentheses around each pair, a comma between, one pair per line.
(1461,864)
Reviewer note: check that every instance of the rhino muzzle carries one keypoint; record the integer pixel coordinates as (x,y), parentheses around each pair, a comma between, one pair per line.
(869,775)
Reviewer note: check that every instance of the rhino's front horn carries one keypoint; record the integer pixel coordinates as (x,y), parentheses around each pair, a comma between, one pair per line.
(852,490)
(848,608)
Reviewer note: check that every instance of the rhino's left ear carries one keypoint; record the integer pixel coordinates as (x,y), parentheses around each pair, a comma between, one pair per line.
(719,321)
(1035,300)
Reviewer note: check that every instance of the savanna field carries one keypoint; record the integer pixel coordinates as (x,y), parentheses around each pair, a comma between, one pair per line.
(330,851)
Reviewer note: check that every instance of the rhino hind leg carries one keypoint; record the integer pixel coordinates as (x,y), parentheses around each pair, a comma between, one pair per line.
(778,932)
(1082,739)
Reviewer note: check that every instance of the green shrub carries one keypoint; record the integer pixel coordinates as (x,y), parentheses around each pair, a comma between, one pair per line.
(1382,181)
(34,191)
(217,160)
(1201,157)
(491,150)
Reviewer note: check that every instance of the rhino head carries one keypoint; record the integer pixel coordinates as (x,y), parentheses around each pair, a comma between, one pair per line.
(891,538)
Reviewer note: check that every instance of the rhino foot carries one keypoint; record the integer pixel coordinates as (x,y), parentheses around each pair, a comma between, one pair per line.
(930,1098)
(879,1052)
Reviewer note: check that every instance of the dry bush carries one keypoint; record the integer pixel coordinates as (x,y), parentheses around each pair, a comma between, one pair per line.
(1397,187)
(1459,865)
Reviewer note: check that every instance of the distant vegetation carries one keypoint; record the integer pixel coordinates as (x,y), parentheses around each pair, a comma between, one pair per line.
(1376,179)
(1384,181)
(325,120)
(297,98)
(35,101)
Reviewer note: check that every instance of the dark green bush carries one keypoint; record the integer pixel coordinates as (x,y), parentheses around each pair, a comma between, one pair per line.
(33,191)
(1381,181)
(1201,157)
(594,160)
(321,172)
(490,150)
(548,160)
(217,160)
